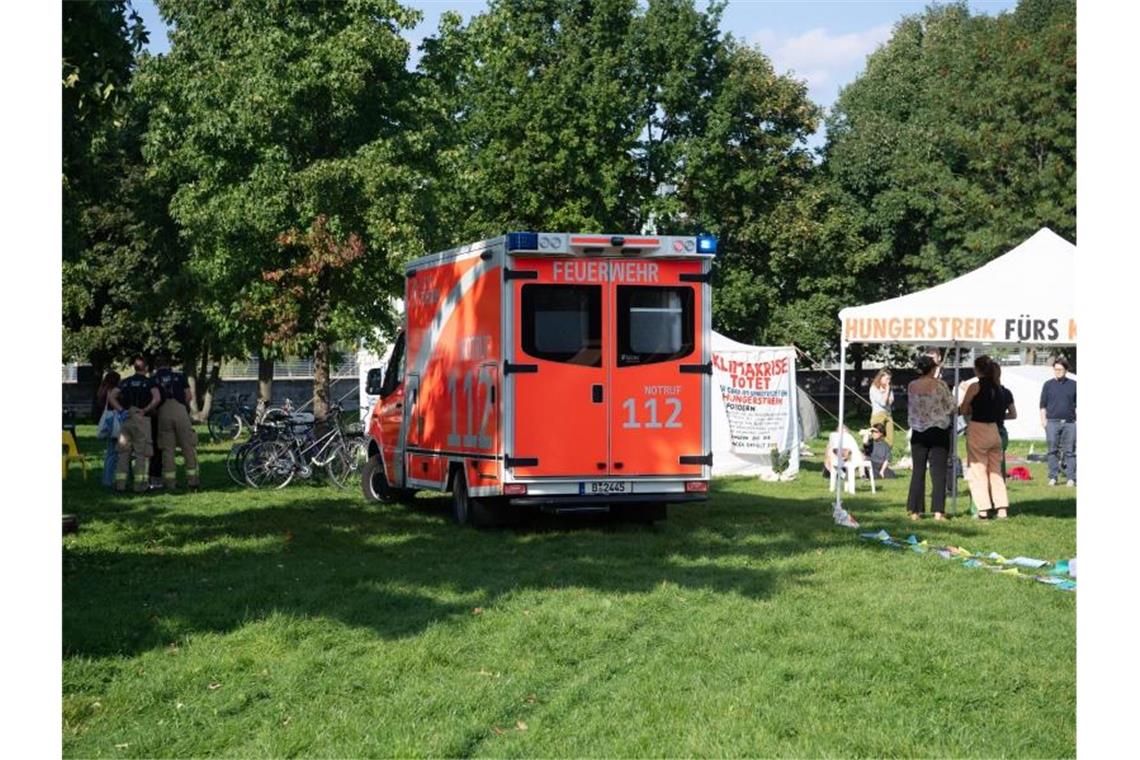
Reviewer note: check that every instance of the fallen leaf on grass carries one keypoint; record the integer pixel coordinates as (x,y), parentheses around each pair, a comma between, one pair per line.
(531,699)
(287,720)
(214,685)
(488,673)
(178,705)
(124,745)
(477,611)
(96,705)
(520,726)
(498,731)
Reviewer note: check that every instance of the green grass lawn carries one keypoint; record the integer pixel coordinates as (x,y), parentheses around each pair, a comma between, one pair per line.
(305,622)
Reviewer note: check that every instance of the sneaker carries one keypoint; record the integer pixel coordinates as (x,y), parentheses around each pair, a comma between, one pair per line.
(1052,481)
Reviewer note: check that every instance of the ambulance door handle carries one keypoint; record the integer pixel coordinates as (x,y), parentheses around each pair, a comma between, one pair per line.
(601,465)
(597,391)
(619,465)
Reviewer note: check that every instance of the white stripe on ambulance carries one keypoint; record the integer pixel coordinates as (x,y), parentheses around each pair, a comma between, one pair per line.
(605,271)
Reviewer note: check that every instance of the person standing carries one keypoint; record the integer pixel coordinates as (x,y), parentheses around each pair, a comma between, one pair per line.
(1010,413)
(882,399)
(174,425)
(929,408)
(138,396)
(1059,418)
(111,458)
(985,405)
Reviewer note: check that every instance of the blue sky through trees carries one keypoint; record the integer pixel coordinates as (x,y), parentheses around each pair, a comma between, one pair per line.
(823,42)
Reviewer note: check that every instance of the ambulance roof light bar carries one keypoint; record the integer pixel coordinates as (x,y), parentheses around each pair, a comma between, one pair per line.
(567,243)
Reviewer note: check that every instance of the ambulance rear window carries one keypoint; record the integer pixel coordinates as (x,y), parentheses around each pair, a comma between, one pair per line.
(654,324)
(563,323)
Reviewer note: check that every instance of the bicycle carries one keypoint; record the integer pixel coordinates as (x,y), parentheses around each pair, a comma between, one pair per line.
(274,461)
(231,418)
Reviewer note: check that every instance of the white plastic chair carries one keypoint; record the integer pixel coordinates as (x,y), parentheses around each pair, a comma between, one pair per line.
(856,464)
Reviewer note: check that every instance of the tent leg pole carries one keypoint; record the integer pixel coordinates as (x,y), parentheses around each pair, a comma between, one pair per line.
(838,453)
(954,434)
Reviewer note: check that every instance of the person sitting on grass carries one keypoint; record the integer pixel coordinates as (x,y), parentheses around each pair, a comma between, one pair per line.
(878,451)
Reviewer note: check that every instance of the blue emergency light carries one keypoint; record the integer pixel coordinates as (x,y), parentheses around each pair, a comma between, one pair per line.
(522,241)
(706,244)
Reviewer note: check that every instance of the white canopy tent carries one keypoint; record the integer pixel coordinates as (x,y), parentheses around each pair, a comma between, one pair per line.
(1026,296)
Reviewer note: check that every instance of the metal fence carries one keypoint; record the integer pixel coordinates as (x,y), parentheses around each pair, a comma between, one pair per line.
(283,369)
(288,369)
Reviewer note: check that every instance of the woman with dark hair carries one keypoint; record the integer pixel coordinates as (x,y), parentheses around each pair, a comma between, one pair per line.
(1009,414)
(929,408)
(986,406)
(111,459)
(882,397)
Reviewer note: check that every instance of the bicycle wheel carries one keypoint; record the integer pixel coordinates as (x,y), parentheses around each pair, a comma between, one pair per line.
(270,464)
(223,425)
(235,463)
(347,463)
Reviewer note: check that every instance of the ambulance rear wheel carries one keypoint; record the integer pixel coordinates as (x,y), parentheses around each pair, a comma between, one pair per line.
(460,500)
(374,481)
(646,514)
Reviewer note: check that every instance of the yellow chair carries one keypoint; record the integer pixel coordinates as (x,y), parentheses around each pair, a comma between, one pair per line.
(72,454)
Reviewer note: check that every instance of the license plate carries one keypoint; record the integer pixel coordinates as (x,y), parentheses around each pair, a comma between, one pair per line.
(606,487)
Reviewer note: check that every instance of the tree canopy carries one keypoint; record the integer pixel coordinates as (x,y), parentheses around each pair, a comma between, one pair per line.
(257,188)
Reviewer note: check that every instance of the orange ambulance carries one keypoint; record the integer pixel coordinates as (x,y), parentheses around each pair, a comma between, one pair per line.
(561,371)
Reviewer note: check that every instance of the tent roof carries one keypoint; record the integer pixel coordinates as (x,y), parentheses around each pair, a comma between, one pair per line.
(1025,296)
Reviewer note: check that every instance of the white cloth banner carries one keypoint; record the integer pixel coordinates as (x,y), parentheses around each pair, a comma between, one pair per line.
(756,387)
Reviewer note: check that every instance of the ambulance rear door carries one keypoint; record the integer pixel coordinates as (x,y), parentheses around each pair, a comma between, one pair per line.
(557,373)
(660,372)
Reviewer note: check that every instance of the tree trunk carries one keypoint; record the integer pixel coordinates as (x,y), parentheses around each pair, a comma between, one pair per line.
(321,380)
(209,386)
(188,360)
(264,384)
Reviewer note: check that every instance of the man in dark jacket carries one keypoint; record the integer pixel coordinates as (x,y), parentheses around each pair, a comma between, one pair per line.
(1059,418)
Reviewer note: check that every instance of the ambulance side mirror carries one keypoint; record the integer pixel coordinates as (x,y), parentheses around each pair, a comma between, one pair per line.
(374,384)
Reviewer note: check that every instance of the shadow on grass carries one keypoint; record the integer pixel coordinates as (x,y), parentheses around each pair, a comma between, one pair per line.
(149,570)
(143,574)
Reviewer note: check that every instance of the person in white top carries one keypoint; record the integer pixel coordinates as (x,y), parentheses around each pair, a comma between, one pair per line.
(882,399)
(930,406)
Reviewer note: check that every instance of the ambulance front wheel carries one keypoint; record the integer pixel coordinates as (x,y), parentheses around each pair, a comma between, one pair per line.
(375,482)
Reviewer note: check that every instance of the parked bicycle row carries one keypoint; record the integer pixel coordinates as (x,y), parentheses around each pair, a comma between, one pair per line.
(285,446)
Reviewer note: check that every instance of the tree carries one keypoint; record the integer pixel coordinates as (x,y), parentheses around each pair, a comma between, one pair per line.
(100,44)
(606,116)
(267,123)
(123,286)
(955,144)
